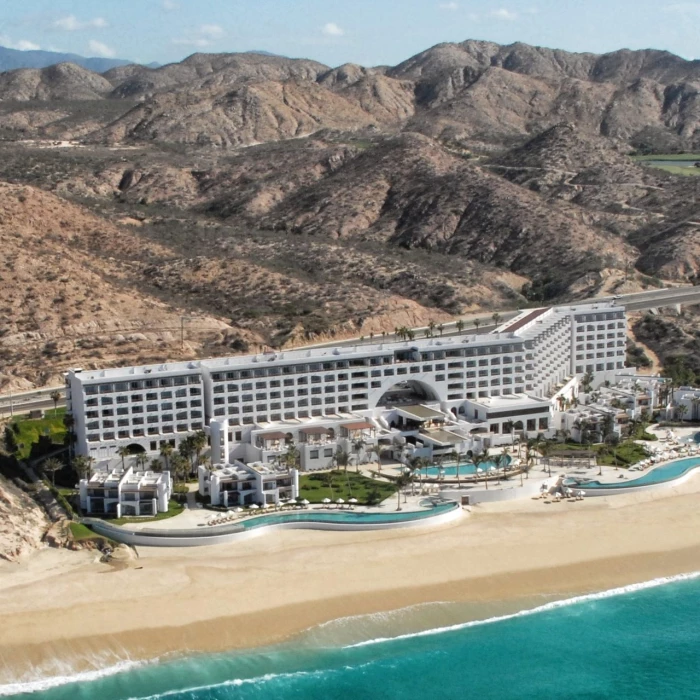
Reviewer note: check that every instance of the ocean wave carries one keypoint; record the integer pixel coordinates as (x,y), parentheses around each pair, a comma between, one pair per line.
(553,605)
(233,682)
(47,682)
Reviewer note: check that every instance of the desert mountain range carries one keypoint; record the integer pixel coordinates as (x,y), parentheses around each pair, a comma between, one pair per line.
(275,200)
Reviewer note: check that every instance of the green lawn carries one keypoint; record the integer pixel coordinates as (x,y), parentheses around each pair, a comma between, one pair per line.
(81,532)
(669,156)
(49,430)
(174,508)
(677,169)
(626,453)
(339,484)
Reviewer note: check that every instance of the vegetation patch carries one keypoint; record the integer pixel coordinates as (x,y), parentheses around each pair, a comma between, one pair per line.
(346,485)
(38,436)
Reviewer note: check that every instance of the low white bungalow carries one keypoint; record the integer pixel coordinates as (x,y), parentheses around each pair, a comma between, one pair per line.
(124,492)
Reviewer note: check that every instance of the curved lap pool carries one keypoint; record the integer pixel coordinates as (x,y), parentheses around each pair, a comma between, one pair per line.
(243,528)
(659,475)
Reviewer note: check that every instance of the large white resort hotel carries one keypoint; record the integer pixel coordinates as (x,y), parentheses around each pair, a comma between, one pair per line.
(426,397)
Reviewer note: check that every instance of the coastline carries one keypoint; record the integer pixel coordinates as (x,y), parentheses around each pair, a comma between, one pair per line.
(63,608)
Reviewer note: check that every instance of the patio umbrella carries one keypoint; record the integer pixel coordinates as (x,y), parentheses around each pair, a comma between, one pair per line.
(305,503)
(353,501)
(340,501)
(254,506)
(326,501)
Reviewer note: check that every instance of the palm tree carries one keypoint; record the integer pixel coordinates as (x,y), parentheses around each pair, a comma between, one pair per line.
(441,329)
(459,325)
(123,452)
(156,465)
(416,464)
(83,466)
(481,458)
(292,456)
(341,458)
(55,397)
(166,452)
(477,323)
(187,449)
(199,442)
(180,466)
(502,462)
(496,318)
(52,465)
(141,460)
(681,410)
(431,327)
(455,457)
(357,447)
(402,481)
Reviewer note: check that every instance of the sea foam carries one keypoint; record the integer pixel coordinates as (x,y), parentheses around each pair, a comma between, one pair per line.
(553,605)
(47,682)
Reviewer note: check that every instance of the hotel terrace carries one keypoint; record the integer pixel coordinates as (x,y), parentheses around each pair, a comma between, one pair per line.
(424,397)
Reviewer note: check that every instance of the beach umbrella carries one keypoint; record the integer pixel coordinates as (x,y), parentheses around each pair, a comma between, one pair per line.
(340,501)
(254,506)
(326,501)
(479,470)
(237,510)
(305,503)
(352,500)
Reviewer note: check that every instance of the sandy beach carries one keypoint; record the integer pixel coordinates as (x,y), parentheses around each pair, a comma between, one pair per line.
(60,606)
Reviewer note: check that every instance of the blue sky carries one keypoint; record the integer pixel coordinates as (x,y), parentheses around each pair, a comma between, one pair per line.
(370,32)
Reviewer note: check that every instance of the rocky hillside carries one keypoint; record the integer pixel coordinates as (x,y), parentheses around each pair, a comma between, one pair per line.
(476,92)
(23,523)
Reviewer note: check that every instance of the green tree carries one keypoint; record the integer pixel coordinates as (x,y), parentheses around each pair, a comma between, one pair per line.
(156,465)
(496,318)
(587,382)
(179,467)
(456,457)
(477,323)
(402,481)
(481,458)
(459,325)
(11,444)
(292,457)
(83,466)
(186,449)
(681,410)
(123,452)
(341,458)
(441,329)
(166,452)
(55,397)
(199,442)
(502,462)
(51,466)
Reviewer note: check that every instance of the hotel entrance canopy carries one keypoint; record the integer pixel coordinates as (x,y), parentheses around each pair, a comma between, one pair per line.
(420,414)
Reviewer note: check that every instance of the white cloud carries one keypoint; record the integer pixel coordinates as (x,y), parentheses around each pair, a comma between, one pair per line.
(25,45)
(20,44)
(332,29)
(507,15)
(170,5)
(97,48)
(452,6)
(72,24)
(212,30)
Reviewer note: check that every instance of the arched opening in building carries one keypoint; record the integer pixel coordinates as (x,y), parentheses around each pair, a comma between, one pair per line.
(407,393)
(135,449)
(518,425)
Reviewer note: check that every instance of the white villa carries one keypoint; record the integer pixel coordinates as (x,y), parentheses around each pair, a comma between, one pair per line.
(240,484)
(123,492)
(428,396)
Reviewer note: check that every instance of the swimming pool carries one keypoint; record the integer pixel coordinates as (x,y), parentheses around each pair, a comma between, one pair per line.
(658,475)
(467,469)
(346,517)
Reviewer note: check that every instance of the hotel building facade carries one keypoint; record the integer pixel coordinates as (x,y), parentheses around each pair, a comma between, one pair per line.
(253,407)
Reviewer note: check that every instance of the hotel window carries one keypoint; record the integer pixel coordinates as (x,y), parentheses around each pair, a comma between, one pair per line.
(376,385)
(313,454)
(427,368)
(402,370)
(330,390)
(330,399)
(110,436)
(439,377)
(219,400)
(388,372)
(182,428)
(415,369)
(195,391)
(302,392)
(166,429)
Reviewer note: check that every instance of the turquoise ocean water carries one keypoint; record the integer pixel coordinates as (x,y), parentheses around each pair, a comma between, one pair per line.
(638,642)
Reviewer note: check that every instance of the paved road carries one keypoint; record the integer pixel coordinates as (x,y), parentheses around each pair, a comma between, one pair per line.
(657,298)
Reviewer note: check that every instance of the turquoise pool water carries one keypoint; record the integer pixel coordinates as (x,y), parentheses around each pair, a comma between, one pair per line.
(467,469)
(348,517)
(658,475)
